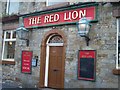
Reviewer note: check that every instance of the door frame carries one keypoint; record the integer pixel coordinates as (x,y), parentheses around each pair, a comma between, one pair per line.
(43,55)
(47,58)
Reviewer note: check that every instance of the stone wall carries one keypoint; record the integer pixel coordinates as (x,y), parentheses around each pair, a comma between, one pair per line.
(8,70)
(29,7)
(0,45)
(102,39)
(3,9)
(0,28)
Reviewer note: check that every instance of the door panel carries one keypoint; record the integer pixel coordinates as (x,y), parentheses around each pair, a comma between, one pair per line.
(55,67)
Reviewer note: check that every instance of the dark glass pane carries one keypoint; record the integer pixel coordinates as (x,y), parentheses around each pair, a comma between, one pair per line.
(8,35)
(14,34)
(119,50)
(119,59)
(9,50)
(56,39)
(119,25)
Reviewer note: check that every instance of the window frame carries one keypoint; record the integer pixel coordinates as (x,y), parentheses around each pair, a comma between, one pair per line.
(6,40)
(8,5)
(8,10)
(47,3)
(118,34)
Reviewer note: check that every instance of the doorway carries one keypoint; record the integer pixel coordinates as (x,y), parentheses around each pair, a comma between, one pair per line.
(53,62)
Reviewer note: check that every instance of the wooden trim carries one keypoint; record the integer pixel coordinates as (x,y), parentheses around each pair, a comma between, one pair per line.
(54,31)
(116,71)
(8,62)
(43,55)
(116,13)
(10,27)
(10,18)
(0,62)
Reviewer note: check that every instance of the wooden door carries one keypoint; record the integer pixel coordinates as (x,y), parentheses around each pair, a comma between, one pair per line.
(55,67)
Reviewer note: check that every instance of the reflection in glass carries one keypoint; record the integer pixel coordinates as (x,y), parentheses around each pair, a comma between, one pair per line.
(9,50)
(56,39)
(8,35)
(14,34)
(119,51)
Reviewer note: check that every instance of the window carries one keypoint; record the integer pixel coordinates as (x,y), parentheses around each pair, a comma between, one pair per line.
(118,44)
(12,7)
(56,39)
(53,2)
(9,45)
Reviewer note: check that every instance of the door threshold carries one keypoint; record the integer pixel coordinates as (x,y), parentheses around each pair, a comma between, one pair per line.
(47,88)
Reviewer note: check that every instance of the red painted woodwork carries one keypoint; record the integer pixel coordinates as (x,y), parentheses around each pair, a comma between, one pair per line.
(61,17)
(26,61)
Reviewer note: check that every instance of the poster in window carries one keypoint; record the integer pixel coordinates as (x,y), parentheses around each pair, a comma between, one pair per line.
(87,65)
(26,61)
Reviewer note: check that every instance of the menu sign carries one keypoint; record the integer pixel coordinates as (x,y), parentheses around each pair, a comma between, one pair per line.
(26,61)
(87,64)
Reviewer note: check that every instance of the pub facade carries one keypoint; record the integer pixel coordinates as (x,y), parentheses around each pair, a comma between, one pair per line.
(46,49)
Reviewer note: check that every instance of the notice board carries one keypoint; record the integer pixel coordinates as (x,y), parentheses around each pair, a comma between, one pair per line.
(26,61)
(87,65)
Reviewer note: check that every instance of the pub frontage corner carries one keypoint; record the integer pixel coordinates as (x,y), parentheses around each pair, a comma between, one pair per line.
(60,44)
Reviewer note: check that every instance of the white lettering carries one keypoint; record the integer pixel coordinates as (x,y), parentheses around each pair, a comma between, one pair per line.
(74,15)
(67,16)
(38,20)
(51,19)
(56,17)
(82,13)
(34,20)
(71,15)
(46,19)
(30,21)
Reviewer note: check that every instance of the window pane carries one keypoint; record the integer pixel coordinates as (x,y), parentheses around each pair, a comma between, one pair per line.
(14,34)
(9,50)
(13,7)
(53,2)
(119,24)
(119,59)
(56,39)
(8,35)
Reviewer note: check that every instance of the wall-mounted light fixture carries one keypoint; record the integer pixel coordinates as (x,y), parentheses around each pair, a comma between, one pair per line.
(23,34)
(84,28)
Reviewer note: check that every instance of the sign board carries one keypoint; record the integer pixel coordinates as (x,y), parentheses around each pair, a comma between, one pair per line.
(34,62)
(87,65)
(61,17)
(26,61)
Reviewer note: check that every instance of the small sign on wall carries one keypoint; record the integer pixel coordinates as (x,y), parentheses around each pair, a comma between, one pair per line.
(34,62)
(26,61)
(87,65)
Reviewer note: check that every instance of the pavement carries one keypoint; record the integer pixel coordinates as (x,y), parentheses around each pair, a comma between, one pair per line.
(9,84)
(12,85)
